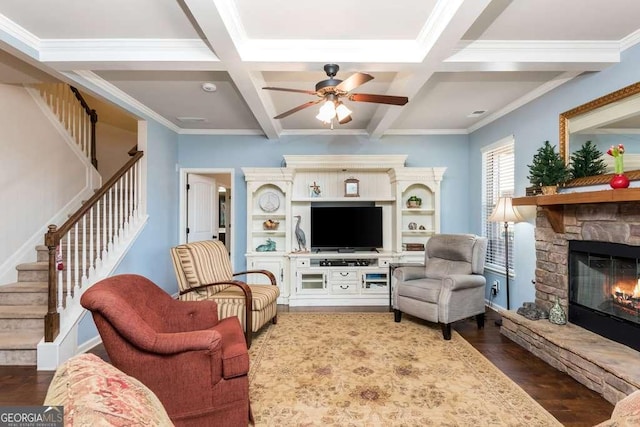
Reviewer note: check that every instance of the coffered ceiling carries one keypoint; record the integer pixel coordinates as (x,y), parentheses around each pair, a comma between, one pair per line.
(461,63)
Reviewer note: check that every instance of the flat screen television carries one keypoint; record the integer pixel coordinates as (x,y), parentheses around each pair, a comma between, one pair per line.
(346,227)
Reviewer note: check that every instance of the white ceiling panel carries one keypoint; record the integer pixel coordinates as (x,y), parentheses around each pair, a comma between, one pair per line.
(448,100)
(348,20)
(558,20)
(78,19)
(449,57)
(179,94)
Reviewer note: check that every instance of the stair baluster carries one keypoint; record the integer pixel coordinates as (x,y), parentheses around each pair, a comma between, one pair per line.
(68,104)
(120,198)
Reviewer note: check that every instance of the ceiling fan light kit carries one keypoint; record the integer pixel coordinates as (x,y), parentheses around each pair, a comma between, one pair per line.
(343,113)
(331,90)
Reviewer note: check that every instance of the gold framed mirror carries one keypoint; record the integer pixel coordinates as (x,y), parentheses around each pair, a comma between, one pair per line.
(614,107)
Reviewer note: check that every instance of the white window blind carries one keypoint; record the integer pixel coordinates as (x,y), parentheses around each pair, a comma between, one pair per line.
(498,181)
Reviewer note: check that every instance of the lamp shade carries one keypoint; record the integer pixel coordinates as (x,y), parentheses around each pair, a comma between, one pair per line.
(505,212)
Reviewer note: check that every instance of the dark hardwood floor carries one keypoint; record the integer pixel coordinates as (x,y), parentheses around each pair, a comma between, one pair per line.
(569,401)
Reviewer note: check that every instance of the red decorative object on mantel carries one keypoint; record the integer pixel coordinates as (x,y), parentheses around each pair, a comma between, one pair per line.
(619,180)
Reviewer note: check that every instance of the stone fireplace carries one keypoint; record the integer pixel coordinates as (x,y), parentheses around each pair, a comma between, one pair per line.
(598,222)
(604,289)
(592,222)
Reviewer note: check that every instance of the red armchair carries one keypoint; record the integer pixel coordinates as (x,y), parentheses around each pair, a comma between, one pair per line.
(196,364)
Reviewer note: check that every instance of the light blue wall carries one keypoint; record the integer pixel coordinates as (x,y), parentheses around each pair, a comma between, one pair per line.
(149,255)
(531,125)
(252,151)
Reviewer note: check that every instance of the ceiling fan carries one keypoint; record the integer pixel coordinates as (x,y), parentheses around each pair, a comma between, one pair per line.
(332,89)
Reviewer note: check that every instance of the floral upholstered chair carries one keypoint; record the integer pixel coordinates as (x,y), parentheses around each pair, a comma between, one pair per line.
(203,270)
(449,287)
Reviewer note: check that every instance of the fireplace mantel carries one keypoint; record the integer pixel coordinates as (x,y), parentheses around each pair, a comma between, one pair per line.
(553,205)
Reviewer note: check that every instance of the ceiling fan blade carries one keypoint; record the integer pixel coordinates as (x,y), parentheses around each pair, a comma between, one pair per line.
(284,89)
(353,81)
(378,99)
(298,108)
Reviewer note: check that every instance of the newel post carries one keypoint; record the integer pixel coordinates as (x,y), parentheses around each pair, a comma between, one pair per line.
(52,318)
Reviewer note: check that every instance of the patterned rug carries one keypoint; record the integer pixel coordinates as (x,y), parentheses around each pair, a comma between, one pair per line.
(363,369)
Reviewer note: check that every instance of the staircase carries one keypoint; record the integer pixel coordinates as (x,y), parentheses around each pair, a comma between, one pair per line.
(23,305)
(83,250)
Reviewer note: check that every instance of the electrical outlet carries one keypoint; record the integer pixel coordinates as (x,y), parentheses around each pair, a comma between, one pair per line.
(495,288)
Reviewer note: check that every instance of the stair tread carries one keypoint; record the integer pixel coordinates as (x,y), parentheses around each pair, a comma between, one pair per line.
(42,265)
(22,311)
(24,340)
(25,287)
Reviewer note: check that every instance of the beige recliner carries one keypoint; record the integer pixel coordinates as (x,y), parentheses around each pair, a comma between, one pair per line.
(203,270)
(449,287)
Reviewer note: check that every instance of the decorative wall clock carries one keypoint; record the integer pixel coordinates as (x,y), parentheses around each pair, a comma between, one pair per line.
(269,201)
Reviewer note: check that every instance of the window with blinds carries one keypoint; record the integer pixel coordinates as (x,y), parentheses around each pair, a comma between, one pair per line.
(498,181)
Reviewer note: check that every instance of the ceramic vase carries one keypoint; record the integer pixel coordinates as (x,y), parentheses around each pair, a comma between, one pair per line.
(556,314)
(619,180)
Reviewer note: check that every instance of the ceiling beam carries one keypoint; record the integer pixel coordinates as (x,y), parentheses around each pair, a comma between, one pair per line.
(441,34)
(528,55)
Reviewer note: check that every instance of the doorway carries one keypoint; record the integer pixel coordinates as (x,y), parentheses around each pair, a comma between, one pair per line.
(206,206)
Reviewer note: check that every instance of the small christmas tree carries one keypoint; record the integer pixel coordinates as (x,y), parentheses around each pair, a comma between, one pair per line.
(547,167)
(587,161)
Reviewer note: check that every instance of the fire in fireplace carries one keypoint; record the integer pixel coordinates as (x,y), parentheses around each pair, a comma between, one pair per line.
(626,298)
(604,289)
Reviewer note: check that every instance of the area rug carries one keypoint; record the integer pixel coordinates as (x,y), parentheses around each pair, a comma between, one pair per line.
(363,369)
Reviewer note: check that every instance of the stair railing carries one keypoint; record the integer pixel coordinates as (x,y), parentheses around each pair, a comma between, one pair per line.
(74,113)
(85,244)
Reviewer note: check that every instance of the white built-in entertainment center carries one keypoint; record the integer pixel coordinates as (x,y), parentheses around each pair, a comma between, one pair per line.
(328,185)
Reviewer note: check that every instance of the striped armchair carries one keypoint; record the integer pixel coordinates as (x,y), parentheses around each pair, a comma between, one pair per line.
(203,270)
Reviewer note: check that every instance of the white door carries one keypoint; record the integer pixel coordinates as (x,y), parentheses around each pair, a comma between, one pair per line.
(202,213)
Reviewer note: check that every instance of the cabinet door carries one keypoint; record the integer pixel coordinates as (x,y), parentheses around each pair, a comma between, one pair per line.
(274,265)
(375,282)
(311,282)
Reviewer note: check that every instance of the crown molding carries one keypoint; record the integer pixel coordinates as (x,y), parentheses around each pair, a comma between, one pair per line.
(630,41)
(438,20)
(19,34)
(232,21)
(236,132)
(86,50)
(379,51)
(536,51)
(345,161)
(426,132)
(335,131)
